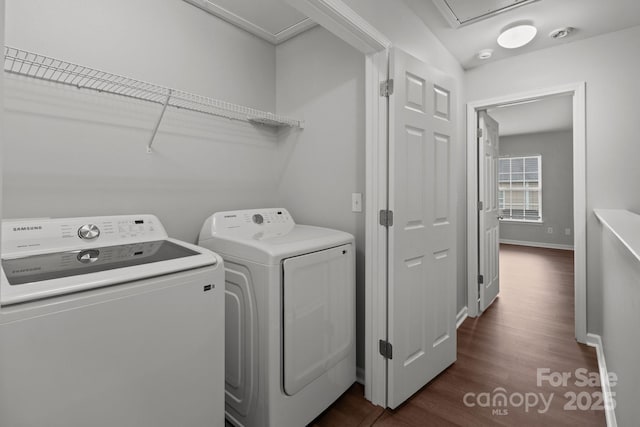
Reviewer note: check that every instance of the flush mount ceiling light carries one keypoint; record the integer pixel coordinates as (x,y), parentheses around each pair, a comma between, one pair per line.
(517,36)
(485,54)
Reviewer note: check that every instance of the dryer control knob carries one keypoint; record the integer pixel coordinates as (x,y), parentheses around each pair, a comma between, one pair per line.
(88,231)
(258,219)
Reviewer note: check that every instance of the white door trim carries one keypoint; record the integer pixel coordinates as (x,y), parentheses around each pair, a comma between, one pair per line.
(376,238)
(578,90)
(2,24)
(342,21)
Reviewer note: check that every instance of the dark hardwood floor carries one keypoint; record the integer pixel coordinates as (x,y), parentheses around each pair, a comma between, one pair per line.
(529,327)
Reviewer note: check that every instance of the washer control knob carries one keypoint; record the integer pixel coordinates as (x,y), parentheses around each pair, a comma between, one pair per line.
(258,219)
(89,256)
(88,231)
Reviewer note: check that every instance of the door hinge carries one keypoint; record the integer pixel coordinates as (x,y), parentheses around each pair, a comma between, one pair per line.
(481,279)
(386,88)
(386,218)
(480,206)
(386,349)
(479,132)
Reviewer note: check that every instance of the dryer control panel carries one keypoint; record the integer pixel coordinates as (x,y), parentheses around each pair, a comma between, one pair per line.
(256,223)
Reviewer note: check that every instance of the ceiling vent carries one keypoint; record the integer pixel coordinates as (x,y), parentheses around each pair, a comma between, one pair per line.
(561,33)
(464,12)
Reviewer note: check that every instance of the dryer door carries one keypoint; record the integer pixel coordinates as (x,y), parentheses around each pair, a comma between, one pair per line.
(319,314)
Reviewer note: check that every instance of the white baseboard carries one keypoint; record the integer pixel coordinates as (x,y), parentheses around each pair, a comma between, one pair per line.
(594,340)
(462,315)
(359,375)
(537,244)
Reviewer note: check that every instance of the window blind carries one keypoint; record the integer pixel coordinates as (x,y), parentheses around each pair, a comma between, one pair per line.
(520,188)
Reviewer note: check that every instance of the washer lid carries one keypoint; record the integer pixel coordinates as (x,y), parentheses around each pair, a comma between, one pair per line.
(57,265)
(47,257)
(267,249)
(44,276)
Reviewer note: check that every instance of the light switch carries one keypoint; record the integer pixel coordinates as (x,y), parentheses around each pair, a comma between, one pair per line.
(356,202)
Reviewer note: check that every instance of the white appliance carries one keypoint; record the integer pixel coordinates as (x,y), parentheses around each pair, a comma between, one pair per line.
(105,321)
(290,315)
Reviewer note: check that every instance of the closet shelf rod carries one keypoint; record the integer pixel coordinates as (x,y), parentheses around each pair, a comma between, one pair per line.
(41,67)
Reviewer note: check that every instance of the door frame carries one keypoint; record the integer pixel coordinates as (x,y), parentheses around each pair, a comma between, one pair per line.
(376,236)
(339,19)
(578,91)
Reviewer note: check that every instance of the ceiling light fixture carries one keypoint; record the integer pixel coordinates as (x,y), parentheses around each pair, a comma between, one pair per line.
(485,54)
(517,36)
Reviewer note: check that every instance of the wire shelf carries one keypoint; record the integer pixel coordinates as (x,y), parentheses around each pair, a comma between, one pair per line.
(22,62)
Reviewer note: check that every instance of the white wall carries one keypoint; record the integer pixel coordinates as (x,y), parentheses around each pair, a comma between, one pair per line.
(406,31)
(75,153)
(621,299)
(610,64)
(321,79)
(167,42)
(556,149)
(1,107)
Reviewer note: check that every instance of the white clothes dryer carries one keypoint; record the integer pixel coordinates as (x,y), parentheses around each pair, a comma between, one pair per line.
(290,315)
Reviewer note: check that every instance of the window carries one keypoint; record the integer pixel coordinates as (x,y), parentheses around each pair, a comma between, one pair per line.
(520,188)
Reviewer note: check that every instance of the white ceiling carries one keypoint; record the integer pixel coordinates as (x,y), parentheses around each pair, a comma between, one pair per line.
(589,17)
(462,12)
(272,20)
(276,21)
(544,115)
(272,15)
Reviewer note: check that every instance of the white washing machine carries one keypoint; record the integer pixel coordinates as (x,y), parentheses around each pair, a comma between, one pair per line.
(105,321)
(290,315)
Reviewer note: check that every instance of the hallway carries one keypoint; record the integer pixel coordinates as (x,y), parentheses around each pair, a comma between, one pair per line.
(526,337)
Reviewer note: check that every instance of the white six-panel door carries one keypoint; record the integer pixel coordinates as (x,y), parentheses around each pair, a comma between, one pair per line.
(488,217)
(422,266)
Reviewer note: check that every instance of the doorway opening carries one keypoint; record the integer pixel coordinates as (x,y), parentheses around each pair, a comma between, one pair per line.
(535,199)
(519,195)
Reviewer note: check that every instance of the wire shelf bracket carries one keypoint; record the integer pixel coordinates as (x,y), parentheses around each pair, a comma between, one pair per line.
(41,67)
(155,129)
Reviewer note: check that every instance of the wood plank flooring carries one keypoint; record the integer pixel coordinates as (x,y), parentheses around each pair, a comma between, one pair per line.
(529,327)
